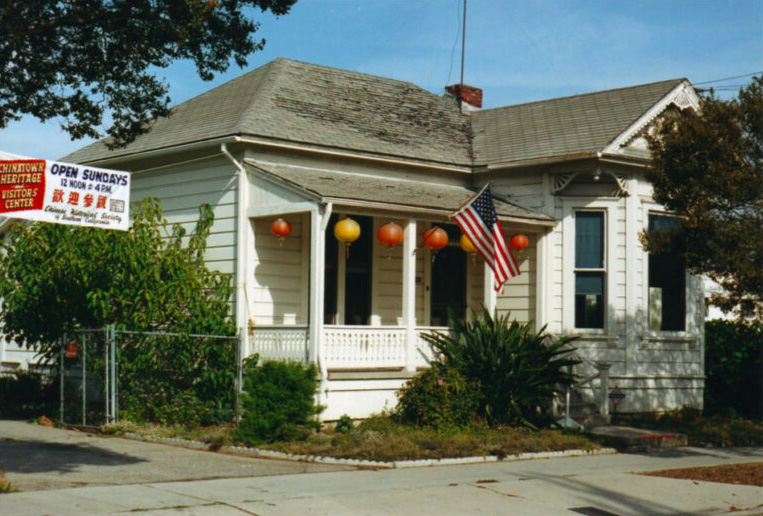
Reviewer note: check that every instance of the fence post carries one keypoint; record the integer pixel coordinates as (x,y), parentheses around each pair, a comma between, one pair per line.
(62,343)
(83,343)
(112,347)
(239,373)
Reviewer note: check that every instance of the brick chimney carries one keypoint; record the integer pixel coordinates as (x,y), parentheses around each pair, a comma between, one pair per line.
(469,97)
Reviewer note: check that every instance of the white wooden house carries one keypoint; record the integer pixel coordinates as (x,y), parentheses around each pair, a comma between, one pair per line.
(312,144)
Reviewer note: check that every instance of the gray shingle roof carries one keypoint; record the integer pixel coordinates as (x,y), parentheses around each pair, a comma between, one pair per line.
(566,126)
(403,193)
(291,101)
(298,102)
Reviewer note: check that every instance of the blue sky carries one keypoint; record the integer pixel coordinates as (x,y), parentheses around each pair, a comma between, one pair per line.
(516,50)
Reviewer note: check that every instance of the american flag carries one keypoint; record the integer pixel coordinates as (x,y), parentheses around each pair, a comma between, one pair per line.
(479,222)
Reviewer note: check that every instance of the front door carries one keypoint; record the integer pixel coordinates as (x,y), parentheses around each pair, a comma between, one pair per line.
(448,281)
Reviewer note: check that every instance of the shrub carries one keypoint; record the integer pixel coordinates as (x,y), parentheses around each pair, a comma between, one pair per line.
(734,385)
(519,370)
(278,401)
(439,399)
(344,424)
(27,394)
(163,404)
(182,379)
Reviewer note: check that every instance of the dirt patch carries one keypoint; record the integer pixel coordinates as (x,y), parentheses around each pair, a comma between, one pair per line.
(750,474)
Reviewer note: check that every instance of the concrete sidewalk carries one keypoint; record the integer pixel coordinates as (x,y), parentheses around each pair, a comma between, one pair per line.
(604,485)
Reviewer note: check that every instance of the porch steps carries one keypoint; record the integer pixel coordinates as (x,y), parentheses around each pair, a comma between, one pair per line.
(630,439)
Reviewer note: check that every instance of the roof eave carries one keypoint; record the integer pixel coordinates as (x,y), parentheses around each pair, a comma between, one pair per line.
(547,160)
(436,213)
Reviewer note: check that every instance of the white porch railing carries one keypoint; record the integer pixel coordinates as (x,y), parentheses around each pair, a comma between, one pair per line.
(346,347)
(353,347)
(281,342)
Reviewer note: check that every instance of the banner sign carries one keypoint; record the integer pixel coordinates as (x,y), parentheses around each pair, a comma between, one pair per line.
(64,193)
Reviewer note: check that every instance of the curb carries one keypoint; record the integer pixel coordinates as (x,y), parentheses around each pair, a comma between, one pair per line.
(371,464)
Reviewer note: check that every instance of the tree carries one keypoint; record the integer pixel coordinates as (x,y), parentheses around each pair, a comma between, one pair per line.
(707,168)
(55,279)
(91,59)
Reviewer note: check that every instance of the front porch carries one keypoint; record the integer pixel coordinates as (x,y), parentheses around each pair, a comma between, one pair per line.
(359,309)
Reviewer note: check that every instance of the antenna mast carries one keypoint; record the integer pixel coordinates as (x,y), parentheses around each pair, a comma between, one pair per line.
(463,45)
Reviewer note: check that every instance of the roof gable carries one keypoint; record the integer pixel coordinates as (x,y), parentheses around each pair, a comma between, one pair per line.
(566,127)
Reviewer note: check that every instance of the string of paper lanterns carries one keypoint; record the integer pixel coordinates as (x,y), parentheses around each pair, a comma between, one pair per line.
(390,235)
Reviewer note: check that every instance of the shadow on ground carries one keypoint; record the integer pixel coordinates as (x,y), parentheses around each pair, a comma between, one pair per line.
(33,456)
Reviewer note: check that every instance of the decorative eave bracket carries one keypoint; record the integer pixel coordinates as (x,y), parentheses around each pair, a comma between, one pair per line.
(563,180)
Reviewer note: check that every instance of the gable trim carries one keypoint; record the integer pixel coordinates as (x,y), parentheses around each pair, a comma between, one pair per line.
(682,96)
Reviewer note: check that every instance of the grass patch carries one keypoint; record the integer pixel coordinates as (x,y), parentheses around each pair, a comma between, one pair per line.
(381,439)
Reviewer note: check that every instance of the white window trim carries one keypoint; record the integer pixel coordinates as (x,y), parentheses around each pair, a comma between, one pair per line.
(569,208)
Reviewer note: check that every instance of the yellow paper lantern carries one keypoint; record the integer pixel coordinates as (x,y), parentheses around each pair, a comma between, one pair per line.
(467,245)
(347,230)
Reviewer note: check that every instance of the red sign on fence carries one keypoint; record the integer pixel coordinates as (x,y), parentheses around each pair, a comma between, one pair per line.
(71,350)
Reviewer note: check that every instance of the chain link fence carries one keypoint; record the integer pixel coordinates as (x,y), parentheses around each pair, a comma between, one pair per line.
(108,374)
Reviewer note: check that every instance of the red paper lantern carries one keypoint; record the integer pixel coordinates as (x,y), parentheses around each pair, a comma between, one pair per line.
(390,234)
(518,242)
(435,238)
(281,229)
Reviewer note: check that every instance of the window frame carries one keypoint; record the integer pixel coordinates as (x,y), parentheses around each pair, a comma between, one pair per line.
(603,270)
(686,298)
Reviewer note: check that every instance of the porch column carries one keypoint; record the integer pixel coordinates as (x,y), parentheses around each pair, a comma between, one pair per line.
(409,294)
(489,293)
(318,221)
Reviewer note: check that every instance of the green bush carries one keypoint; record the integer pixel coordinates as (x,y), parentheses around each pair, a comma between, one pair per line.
(278,401)
(177,379)
(439,398)
(25,394)
(519,370)
(163,404)
(733,365)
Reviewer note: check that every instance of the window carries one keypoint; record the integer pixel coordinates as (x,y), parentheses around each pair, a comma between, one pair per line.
(590,274)
(667,283)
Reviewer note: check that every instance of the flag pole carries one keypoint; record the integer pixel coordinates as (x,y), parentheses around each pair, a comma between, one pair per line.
(470,199)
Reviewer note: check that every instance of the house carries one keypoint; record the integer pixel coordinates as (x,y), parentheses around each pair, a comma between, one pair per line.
(313,145)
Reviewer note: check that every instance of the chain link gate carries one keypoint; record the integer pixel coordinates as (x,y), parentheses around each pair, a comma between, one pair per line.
(99,367)
(87,376)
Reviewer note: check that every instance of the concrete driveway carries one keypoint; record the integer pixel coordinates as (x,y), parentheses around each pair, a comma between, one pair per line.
(36,458)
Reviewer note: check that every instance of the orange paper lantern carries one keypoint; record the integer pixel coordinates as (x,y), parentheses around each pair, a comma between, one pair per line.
(435,238)
(390,234)
(518,242)
(281,229)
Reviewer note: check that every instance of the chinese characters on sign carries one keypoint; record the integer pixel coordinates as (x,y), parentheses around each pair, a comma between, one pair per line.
(65,193)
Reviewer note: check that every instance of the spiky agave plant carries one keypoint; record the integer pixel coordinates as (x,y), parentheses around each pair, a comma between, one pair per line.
(519,369)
